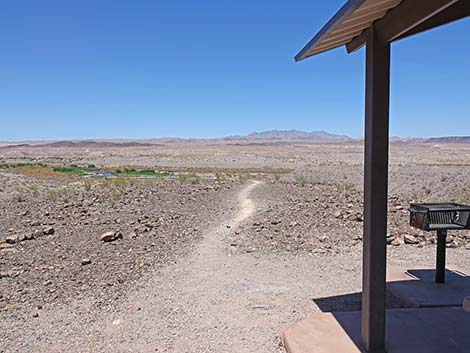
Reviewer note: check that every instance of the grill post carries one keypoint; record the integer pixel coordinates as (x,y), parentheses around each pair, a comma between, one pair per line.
(441,256)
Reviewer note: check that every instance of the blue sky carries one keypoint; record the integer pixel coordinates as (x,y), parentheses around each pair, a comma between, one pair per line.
(151,68)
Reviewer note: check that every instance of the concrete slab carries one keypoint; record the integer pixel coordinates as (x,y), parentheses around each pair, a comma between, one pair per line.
(415,285)
(428,330)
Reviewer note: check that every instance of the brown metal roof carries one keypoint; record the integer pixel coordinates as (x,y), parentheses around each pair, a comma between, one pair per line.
(354,17)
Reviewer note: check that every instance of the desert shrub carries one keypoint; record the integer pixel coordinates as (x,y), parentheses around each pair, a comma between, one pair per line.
(18,198)
(116,195)
(120,182)
(300,180)
(87,185)
(189,177)
(34,188)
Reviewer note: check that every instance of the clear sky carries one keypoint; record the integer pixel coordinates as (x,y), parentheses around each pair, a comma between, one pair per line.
(152,68)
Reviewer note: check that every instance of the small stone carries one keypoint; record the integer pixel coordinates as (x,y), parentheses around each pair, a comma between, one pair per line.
(276,221)
(86,262)
(11,239)
(452,244)
(29,236)
(396,242)
(35,314)
(5,246)
(48,231)
(7,274)
(111,236)
(359,218)
(410,239)
(337,214)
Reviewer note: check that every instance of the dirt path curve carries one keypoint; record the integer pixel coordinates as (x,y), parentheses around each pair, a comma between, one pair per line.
(216,300)
(210,302)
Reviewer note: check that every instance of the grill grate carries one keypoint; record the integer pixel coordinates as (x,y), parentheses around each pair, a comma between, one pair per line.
(440,216)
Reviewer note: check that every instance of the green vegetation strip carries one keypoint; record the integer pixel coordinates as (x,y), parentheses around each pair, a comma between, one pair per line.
(75,169)
(20,165)
(137,172)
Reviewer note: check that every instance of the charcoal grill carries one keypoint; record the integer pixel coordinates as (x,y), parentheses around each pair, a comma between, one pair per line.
(440,217)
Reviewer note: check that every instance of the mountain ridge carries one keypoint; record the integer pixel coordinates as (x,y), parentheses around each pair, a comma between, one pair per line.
(273,136)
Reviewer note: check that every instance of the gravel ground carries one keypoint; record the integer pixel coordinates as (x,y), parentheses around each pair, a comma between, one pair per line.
(325,218)
(213,298)
(206,265)
(52,256)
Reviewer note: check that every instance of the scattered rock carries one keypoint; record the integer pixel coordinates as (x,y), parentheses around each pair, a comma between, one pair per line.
(86,262)
(396,242)
(12,239)
(5,246)
(453,244)
(410,239)
(337,214)
(29,236)
(7,274)
(111,236)
(48,231)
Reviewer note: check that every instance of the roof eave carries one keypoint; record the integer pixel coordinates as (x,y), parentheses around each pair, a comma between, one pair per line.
(346,10)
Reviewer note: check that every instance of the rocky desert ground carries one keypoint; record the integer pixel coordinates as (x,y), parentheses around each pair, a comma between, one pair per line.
(199,246)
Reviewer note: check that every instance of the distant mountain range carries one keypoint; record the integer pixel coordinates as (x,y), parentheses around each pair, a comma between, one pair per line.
(316,136)
(264,137)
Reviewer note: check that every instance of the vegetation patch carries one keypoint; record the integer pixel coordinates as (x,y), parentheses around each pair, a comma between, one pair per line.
(75,169)
(140,172)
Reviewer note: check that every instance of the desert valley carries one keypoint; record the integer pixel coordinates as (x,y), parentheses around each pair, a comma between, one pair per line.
(99,238)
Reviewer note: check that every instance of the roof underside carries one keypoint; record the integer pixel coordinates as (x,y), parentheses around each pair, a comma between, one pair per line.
(353,18)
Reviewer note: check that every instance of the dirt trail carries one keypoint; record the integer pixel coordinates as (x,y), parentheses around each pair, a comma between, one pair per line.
(216,300)
(211,302)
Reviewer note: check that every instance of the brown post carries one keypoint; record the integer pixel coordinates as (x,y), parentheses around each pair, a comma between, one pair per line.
(441,256)
(375,192)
